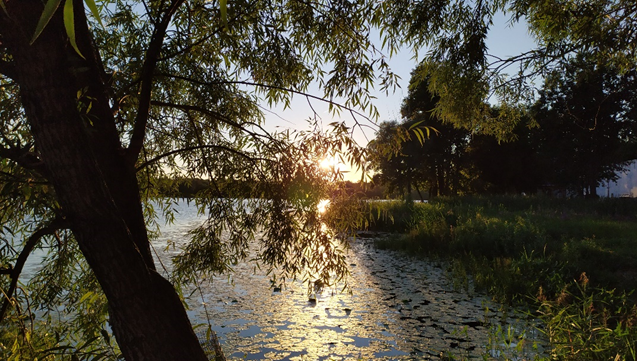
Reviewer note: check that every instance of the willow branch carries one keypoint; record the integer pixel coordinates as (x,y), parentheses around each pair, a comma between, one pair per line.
(218,116)
(200,41)
(55,225)
(307,95)
(197,147)
(147,73)
(267,86)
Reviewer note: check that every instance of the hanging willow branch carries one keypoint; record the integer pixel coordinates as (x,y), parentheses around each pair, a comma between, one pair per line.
(14,273)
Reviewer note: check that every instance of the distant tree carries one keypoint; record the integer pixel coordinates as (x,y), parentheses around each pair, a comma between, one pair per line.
(459,69)
(392,158)
(439,156)
(497,167)
(421,151)
(587,125)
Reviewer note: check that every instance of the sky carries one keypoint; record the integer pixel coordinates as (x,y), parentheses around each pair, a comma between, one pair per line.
(625,186)
(503,40)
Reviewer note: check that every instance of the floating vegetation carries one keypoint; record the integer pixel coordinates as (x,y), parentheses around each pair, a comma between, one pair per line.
(398,308)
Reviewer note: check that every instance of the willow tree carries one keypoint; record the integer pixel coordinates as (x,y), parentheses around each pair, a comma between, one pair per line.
(468,77)
(97,111)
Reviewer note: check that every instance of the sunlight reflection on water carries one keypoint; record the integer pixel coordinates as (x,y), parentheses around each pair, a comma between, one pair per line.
(399,309)
(322,206)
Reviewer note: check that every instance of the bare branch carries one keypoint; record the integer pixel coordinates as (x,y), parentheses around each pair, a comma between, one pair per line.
(54,226)
(218,116)
(187,109)
(260,85)
(147,74)
(24,158)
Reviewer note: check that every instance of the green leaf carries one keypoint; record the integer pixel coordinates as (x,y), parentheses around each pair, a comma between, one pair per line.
(85,296)
(420,135)
(47,14)
(3,6)
(89,341)
(96,13)
(69,25)
(416,124)
(27,193)
(223,7)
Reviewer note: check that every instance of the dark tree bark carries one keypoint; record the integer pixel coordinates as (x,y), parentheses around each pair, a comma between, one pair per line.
(433,189)
(95,185)
(422,199)
(440,173)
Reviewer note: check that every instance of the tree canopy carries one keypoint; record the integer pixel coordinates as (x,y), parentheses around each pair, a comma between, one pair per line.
(579,133)
(463,73)
(587,125)
(421,152)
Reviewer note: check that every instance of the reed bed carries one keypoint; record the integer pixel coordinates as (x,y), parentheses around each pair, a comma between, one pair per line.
(573,262)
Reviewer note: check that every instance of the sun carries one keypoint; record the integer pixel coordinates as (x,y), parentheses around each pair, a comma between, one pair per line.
(331,163)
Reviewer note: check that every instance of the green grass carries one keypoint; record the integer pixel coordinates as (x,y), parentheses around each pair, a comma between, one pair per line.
(536,251)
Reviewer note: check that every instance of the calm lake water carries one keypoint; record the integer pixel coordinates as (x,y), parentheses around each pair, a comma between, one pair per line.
(399,309)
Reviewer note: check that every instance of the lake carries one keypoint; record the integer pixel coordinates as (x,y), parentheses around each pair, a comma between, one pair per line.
(399,308)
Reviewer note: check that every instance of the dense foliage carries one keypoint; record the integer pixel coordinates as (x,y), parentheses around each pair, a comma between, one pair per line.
(588,125)
(464,74)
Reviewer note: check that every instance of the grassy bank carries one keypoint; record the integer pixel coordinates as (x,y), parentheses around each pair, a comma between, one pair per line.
(574,261)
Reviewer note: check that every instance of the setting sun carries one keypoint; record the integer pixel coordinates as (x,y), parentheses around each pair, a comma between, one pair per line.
(332,163)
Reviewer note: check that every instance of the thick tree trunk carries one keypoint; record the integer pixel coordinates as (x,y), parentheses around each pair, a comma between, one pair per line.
(95,186)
